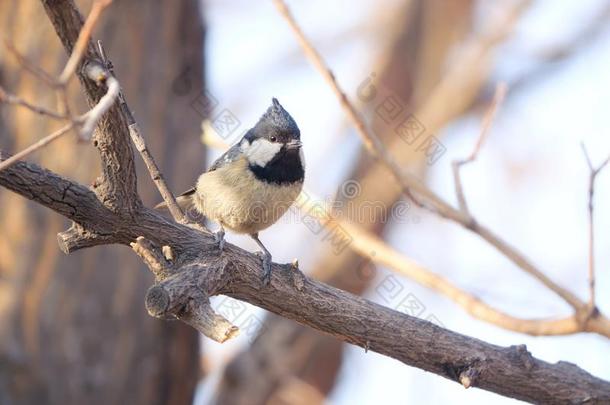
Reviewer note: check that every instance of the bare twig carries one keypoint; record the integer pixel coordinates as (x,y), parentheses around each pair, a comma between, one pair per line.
(372,143)
(379,252)
(30,67)
(140,144)
(89,119)
(70,67)
(153,169)
(456,165)
(16,100)
(76,56)
(409,182)
(83,41)
(593,172)
(34,147)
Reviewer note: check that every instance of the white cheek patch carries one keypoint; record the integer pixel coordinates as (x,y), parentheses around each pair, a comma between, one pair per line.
(261,151)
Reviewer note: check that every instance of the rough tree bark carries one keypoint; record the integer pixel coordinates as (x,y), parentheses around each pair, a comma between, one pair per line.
(73,328)
(189,268)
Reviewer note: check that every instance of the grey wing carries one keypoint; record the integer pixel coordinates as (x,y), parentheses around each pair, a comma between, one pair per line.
(183,200)
(229,156)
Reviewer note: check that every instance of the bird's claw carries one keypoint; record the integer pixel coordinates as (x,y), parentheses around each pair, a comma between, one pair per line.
(266,258)
(219,238)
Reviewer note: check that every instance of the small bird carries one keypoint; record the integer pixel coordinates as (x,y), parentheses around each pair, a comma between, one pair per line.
(252,184)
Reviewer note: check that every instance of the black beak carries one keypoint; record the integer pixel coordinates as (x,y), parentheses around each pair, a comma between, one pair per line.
(294,144)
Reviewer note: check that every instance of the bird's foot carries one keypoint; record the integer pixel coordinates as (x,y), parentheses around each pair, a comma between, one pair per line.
(219,238)
(266,258)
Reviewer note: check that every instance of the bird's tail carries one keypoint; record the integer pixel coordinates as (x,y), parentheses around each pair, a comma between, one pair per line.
(184,200)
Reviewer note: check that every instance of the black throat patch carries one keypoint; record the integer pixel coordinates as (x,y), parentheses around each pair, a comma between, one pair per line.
(285,169)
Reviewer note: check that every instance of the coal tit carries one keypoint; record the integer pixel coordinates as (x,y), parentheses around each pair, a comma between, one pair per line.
(253,184)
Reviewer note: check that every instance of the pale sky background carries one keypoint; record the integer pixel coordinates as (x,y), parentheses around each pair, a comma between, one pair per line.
(529,183)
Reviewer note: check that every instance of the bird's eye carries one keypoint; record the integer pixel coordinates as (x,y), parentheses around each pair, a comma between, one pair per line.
(273,139)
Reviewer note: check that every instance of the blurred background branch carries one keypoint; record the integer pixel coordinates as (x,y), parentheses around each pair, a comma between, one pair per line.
(52,347)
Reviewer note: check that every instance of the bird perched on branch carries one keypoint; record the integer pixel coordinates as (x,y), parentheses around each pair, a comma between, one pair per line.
(252,184)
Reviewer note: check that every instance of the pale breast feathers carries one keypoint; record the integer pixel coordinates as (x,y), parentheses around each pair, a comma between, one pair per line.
(232,195)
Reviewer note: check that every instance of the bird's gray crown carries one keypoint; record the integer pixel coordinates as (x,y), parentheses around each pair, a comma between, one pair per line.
(279,118)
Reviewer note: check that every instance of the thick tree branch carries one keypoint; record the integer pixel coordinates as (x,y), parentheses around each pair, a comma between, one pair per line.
(197,272)
(117,183)
(373,248)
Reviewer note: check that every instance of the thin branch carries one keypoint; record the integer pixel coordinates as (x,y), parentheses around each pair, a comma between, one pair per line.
(83,41)
(30,67)
(89,119)
(456,165)
(490,115)
(371,142)
(409,182)
(36,146)
(140,144)
(593,172)
(155,173)
(78,51)
(16,100)
(379,252)
(70,67)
